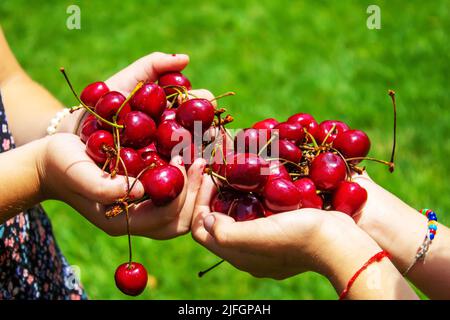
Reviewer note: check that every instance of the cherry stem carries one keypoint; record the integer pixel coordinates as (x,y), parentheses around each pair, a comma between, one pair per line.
(63,71)
(328,134)
(138,86)
(392,95)
(316,146)
(129,237)
(349,172)
(264,147)
(387,163)
(223,95)
(202,273)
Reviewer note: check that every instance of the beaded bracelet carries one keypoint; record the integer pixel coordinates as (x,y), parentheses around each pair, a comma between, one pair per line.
(431,233)
(54,123)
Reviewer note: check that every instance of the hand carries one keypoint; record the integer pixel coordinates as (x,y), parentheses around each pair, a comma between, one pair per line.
(66,173)
(289,243)
(88,190)
(265,247)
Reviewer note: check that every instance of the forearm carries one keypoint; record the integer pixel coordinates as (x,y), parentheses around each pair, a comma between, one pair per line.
(29,107)
(401,229)
(20,183)
(381,280)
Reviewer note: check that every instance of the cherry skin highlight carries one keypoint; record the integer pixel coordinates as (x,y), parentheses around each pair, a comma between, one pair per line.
(291,131)
(139,130)
(278,170)
(326,126)
(168,114)
(107,107)
(281,195)
(349,198)
(353,144)
(287,150)
(93,92)
(266,124)
(162,184)
(174,79)
(96,144)
(245,208)
(307,121)
(132,161)
(308,195)
(247,172)
(131,278)
(327,171)
(150,99)
(89,127)
(195,110)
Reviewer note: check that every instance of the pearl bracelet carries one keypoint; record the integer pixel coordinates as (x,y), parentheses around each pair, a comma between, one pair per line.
(54,123)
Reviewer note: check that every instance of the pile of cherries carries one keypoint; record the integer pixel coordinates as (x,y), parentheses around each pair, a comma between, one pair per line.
(267,169)
(310,166)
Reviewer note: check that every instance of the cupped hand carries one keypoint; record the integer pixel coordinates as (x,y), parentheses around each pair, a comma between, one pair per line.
(68,174)
(86,188)
(278,246)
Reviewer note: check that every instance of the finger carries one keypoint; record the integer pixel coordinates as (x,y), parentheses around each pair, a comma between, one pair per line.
(203,94)
(147,68)
(194,180)
(201,207)
(84,177)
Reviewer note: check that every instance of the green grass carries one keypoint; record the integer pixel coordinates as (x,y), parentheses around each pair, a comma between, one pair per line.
(280,57)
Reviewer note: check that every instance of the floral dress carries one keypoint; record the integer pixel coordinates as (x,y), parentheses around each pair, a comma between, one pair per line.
(31,264)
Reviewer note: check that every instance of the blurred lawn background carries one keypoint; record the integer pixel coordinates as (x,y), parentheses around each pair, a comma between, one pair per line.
(280,57)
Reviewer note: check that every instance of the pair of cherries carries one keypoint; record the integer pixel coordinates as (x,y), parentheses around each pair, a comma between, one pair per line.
(312,168)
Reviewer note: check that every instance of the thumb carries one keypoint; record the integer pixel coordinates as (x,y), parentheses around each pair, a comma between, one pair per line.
(229,233)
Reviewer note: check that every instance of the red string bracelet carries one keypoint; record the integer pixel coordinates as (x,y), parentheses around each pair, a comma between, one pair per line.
(376,258)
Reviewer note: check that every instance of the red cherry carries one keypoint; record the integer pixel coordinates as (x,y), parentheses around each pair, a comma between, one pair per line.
(245,208)
(247,172)
(93,92)
(195,110)
(139,129)
(308,195)
(168,114)
(108,105)
(307,121)
(96,144)
(131,278)
(169,134)
(219,160)
(162,184)
(267,124)
(150,157)
(89,127)
(281,195)
(327,171)
(250,140)
(174,79)
(150,99)
(132,161)
(349,198)
(353,144)
(222,201)
(326,126)
(288,151)
(278,170)
(291,131)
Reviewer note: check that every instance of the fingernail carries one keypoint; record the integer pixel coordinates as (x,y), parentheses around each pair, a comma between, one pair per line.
(208,222)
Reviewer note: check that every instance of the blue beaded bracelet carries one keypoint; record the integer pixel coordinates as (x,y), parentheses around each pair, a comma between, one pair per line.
(432,222)
(431,233)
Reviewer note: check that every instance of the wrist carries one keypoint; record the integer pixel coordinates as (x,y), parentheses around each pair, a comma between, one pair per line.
(347,249)
(40,161)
